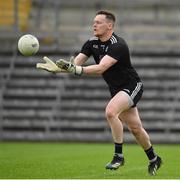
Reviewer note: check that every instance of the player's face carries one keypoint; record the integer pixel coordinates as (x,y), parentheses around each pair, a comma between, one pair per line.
(101,26)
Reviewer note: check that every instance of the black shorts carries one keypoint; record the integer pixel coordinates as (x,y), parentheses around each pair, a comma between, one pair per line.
(133,89)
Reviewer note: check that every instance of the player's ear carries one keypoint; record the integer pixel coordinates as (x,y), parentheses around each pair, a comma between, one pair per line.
(110,25)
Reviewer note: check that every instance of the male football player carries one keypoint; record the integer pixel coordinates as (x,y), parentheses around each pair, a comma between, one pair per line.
(112,58)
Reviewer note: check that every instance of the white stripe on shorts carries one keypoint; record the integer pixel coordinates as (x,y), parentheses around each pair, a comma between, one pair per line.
(136,90)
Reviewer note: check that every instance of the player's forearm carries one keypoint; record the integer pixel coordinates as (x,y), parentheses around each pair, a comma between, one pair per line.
(98,69)
(79,70)
(80,59)
(93,70)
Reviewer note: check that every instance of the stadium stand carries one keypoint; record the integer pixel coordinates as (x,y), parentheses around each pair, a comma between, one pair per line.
(7,13)
(39,106)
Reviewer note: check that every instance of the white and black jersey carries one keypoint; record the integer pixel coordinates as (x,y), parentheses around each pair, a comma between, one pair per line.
(121,73)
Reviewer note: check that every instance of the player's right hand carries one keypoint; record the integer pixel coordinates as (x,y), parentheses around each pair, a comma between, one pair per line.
(49,65)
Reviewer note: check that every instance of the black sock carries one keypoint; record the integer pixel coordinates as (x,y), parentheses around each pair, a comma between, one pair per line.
(118,149)
(150,154)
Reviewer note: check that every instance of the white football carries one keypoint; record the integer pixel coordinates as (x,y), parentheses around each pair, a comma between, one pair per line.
(28,45)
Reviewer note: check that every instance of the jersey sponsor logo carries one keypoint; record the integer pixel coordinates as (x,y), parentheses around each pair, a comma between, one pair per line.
(95,46)
(103,46)
(106,49)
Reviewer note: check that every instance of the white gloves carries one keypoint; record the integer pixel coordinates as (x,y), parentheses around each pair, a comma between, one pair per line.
(49,65)
(61,65)
(69,66)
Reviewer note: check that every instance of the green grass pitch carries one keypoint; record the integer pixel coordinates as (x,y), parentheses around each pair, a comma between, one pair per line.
(82,161)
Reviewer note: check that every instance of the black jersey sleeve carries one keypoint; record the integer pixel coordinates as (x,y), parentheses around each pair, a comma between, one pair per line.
(117,51)
(86,49)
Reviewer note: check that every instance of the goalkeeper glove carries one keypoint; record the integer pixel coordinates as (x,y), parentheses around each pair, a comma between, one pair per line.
(49,65)
(69,66)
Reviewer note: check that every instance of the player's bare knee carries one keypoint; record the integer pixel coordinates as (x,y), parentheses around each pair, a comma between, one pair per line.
(111,114)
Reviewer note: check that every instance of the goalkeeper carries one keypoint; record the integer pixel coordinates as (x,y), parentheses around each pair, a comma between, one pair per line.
(112,58)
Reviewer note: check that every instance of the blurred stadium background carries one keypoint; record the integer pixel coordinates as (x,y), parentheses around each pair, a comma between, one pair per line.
(38,106)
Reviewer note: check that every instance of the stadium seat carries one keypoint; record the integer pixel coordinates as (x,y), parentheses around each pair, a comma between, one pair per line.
(41,106)
(8,17)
